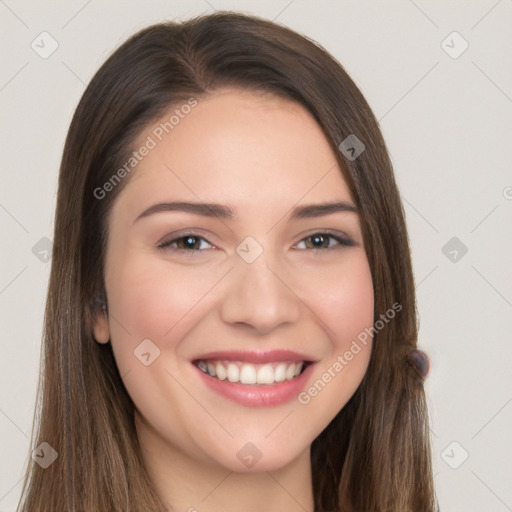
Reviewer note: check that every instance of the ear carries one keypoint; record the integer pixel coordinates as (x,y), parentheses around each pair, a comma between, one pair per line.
(101,331)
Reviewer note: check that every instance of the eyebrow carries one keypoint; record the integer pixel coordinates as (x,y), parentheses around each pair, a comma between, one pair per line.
(221,211)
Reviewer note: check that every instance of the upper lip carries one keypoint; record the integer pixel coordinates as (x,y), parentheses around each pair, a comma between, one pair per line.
(256,356)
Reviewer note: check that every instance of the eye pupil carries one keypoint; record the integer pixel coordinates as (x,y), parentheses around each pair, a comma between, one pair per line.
(318,239)
(190,241)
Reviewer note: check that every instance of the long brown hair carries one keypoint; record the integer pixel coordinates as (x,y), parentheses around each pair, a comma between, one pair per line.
(375,454)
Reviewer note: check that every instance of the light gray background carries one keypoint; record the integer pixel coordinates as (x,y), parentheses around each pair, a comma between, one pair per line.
(447,122)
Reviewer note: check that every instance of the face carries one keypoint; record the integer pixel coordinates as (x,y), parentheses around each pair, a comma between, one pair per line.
(258,289)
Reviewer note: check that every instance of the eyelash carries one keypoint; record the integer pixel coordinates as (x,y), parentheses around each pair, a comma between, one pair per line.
(342,241)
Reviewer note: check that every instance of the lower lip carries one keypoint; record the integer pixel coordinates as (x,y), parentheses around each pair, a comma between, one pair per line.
(261,395)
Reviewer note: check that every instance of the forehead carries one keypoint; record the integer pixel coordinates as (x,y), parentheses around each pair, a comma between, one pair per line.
(236,147)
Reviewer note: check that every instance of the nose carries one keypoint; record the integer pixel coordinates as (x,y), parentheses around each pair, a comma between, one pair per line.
(260,296)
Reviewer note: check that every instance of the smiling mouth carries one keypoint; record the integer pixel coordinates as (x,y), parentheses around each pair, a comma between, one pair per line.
(249,373)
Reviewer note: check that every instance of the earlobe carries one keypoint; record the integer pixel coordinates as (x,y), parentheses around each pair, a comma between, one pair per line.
(101,330)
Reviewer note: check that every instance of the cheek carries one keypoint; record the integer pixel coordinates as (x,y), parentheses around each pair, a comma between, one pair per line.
(345,304)
(149,298)
(347,311)
(344,300)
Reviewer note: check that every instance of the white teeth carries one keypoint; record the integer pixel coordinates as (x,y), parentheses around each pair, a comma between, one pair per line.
(221,372)
(280,373)
(233,373)
(265,375)
(248,374)
(290,372)
(245,373)
(211,369)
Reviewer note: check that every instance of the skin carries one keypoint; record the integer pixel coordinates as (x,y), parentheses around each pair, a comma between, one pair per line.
(262,156)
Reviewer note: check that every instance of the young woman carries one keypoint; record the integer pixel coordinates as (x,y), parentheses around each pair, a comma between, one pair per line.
(231,319)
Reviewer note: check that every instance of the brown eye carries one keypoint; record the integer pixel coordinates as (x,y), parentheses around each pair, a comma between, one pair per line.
(188,243)
(322,241)
(318,241)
